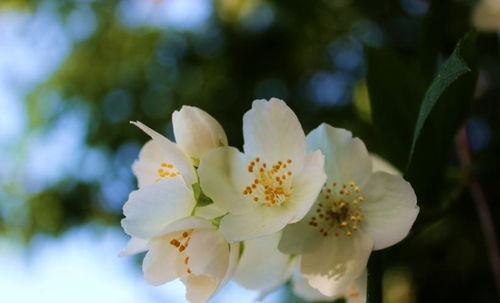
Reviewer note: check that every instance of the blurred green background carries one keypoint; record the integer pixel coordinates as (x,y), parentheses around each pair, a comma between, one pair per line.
(73,73)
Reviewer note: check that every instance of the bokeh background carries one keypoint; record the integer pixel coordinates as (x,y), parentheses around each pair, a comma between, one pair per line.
(73,73)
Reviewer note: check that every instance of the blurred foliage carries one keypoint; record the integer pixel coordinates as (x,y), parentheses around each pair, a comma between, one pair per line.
(362,65)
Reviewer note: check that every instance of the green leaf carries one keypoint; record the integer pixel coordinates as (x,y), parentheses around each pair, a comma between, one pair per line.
(200,197)
(431,154)
(203,200)
(216,222)
(196,191)
(451,70)
(397,87)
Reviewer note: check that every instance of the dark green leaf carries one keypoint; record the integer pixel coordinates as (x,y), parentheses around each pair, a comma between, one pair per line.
(451,70)
(432,152)
(396,87)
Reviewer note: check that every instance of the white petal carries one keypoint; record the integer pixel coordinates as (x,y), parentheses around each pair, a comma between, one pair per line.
(196,132)
(199,288)
(262,221)
(190,222)
(160,263)
(390,208)
(209,253)
(379,164)
(262,266)
(354,293)
(307,185)
(272,131)
(302,289)
(150,209)
(233,261)
(346,158)
(134,246)
(168,151)
(209,212)
(337,263)
(234,254)
(212,261)
(146,167)
(358,291)
(300,237)
(223,177)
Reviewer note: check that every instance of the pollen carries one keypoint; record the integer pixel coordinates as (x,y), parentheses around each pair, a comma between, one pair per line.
(166,170)
(271,184)
(338,211)
(181,241)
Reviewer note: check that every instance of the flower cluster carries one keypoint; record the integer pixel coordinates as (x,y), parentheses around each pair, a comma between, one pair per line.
(289,207)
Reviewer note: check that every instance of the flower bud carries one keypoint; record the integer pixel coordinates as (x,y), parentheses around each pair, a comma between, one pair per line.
(196,132)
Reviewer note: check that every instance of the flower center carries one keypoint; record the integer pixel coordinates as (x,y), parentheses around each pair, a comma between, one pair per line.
(181,242)
(339,210)
(167,170)
(271,185)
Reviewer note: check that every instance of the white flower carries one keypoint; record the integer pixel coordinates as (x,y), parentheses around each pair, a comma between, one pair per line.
(157,216)
(262,266)
(273,183)
(193,250)
(161,160)
(486,15)
(358,210)
(165,176)
(166,163)
(196,132)
(354,293)
(161,203)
